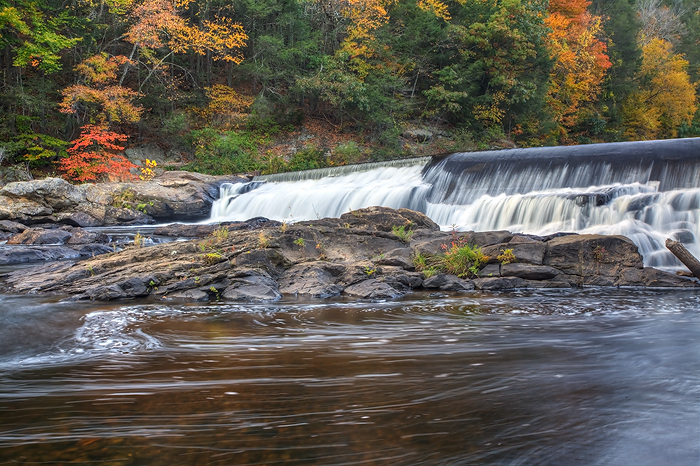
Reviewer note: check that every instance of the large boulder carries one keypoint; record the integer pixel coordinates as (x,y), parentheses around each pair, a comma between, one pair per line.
(592,255)
(314,279)
(447,282)
(254,288)
(181,195)
(372,289)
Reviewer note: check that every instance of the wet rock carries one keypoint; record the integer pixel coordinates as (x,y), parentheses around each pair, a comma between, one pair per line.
(92,250)
(529,252)
(683,236)
(271,261)
(106,293)
(485,238)
(491,270)
(598,280)
(560,281)
(350,261)
(317,280)
(80,236)
(174,194)
(252,289)
(12,227)
(400,279)
(78,219)
(24,254)
(385,219)
(400,257)
(499,283)
(40,236)
(447,282)
(590,255)
(434,243)
(183,230)
(372,289)
(134,287)
(529,271)
(187,295)
(654,278)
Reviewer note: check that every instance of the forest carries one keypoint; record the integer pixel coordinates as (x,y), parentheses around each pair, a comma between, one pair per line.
(225,82)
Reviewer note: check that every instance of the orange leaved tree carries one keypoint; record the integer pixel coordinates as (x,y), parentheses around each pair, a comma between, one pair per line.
(580,59)
(94,156)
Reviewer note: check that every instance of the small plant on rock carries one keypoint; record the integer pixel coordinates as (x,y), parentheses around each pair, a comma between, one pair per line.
(142,207)
(420,262)
(139,240)
(220,234)
(147,173)
(212,258)
(124,199)
(463,260)
(301,242)
(460,259)
(403,234)
(321,248)
(599,253)
(263,240)
(369,271)
(506,256)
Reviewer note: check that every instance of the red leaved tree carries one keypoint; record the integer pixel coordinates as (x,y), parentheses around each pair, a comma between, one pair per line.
(94,156)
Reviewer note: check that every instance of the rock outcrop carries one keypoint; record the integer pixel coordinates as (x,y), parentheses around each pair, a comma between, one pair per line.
(181,195)
(357,255)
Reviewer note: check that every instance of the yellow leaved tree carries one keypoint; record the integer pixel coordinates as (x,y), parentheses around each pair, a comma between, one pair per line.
(665,98)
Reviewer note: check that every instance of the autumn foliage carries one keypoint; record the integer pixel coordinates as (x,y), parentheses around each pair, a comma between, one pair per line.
(94,156)
(580,59)
(98,98)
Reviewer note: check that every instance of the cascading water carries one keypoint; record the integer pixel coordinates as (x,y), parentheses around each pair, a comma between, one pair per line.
(647,191)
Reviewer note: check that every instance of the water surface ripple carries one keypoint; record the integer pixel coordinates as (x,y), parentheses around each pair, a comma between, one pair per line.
(584,377)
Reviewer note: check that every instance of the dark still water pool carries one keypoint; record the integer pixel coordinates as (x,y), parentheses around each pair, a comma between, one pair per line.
(584,377)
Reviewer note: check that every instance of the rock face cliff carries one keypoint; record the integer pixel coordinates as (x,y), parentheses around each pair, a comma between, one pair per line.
(359,255)
(182,195)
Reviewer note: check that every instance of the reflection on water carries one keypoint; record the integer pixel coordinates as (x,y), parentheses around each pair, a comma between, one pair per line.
(527,378)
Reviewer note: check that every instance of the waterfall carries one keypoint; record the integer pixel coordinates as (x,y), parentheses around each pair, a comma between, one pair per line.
(331,196)
(647,191)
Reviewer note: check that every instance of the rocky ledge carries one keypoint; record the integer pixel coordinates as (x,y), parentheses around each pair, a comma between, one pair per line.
(358,255)
(172,195)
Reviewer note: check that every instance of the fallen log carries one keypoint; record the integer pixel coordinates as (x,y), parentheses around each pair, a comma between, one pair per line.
(684,256)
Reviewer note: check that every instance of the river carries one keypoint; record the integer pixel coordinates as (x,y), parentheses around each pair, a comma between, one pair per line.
(573,377)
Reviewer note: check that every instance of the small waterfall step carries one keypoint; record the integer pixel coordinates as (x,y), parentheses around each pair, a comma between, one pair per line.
(647,191)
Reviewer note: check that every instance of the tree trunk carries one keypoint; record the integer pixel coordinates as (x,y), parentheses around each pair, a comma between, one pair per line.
(684,256)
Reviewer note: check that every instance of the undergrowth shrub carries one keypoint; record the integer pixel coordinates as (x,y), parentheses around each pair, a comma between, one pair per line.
(460,259)
(94,156)
(218,153)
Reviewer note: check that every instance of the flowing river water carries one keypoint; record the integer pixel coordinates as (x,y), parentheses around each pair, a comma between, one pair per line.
(560,377)
(584,377)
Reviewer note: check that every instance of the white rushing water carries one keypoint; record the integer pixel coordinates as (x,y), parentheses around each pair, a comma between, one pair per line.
(309,199)
(633,209)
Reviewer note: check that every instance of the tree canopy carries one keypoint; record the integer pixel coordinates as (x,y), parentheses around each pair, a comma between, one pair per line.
(534,72)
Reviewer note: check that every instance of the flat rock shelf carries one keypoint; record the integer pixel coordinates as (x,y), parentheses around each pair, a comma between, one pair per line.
(359,255)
